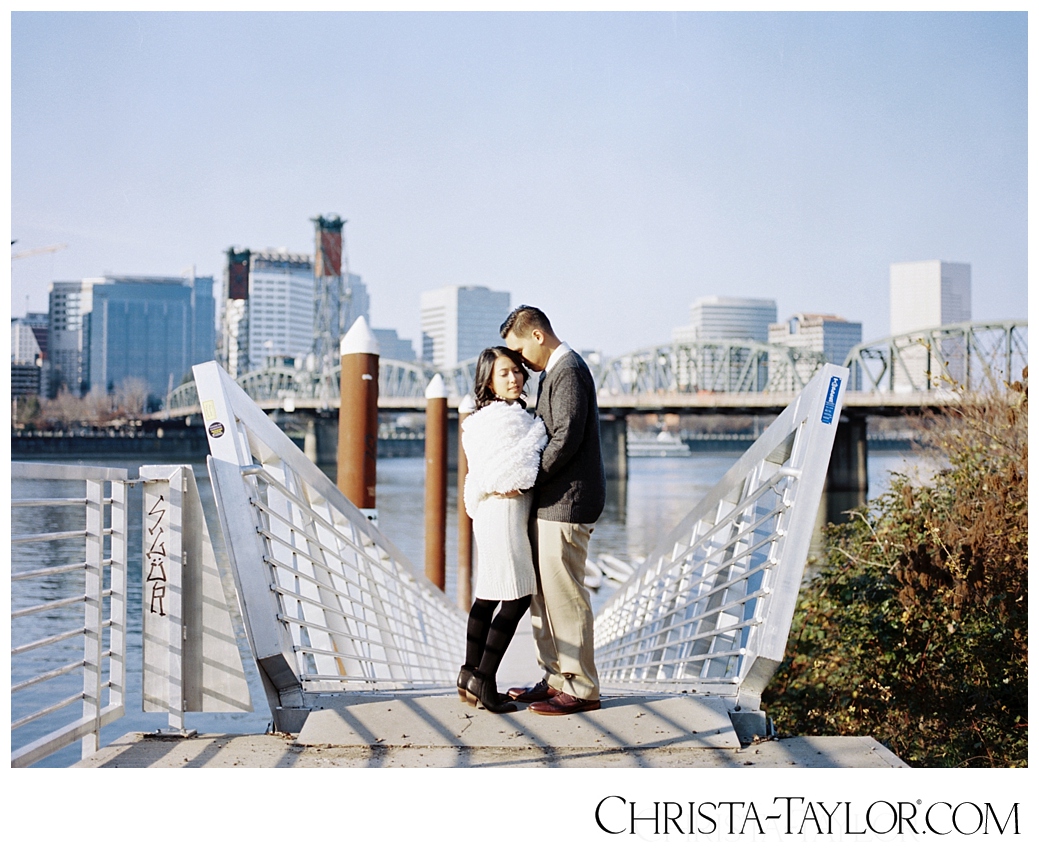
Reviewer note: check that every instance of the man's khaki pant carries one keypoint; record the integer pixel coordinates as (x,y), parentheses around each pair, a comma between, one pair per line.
(561,611)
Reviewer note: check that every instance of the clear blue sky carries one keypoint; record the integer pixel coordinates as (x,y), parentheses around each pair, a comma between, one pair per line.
(610,167)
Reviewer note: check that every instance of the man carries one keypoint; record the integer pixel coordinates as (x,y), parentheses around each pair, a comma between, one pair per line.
(570,493)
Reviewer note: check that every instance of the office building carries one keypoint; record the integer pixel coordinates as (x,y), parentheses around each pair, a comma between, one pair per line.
(829,335)
(67,303)
(105,330)
(392,347)
(25,349)
(458,322)
(268,309)
(356,302)
(928,295)
(719,318)
(26,359)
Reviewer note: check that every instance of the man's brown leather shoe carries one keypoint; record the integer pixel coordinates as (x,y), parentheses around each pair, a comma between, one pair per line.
(538,693)
(564,703)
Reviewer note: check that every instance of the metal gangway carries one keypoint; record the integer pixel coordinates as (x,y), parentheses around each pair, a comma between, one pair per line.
(332,609)
(331,606)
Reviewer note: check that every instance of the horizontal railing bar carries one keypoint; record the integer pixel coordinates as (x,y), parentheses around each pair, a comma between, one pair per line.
(63,737)
(50,709)
(310,559)
(739,508)
(720,587)
(643,633)
(634,603)
(295,596)
(342,541)
(43,572)
(351,599)
(46,641)
(49,537)
(54,673)
(386,681)
(316,650)
(49,501)
(364,583)
(368,661)
(351,546)
(700,544)
(397,639)
(48,605)
(632,649)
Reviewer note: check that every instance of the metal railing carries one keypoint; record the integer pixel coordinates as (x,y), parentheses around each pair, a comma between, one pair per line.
(329,603)
(54,576)
(978,356)
(709,611)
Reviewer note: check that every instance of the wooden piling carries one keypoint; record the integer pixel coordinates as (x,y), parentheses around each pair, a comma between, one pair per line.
(436,481)
(358,417)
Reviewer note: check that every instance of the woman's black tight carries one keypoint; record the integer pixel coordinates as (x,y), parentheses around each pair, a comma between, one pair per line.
(487,639)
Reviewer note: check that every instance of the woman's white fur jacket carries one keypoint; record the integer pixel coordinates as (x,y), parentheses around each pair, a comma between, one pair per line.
(502,444)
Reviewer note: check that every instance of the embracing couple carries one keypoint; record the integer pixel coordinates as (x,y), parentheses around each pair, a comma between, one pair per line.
(534,489)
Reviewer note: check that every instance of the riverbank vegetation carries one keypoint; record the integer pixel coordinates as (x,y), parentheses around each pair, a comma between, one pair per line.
(915,630)
(64,412)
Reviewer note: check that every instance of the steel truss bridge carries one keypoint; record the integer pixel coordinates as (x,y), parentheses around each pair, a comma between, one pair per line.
(927,364)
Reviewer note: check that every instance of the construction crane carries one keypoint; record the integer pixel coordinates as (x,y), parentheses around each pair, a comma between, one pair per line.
(53,248)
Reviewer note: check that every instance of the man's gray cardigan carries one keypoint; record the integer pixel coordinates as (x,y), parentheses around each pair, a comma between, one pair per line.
(571,484)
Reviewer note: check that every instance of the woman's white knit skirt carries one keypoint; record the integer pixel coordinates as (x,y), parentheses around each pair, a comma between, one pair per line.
(504,566)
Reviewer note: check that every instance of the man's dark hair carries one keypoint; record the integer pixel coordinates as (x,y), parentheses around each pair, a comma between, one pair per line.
(523,320)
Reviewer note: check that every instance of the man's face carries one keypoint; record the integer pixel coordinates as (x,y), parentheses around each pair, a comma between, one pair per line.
(531,348)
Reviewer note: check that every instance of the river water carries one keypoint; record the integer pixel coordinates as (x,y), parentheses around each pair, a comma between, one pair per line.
(639,513)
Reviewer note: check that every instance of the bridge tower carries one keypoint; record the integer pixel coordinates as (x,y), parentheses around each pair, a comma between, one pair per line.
(331,300)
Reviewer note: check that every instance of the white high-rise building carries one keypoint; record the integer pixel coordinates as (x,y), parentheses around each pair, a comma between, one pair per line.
(929,294)
(25,350)
(715,318)
(272,318)
(458,322)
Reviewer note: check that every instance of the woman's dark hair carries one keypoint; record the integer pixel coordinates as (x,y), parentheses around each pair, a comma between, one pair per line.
(483,387)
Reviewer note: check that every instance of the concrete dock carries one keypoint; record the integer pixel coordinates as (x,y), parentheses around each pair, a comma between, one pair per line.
(415,730)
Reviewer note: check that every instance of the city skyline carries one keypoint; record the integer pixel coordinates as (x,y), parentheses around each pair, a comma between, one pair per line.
(611,168)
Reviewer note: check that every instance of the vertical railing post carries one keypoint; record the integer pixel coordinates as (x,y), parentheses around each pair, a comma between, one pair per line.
(464,585)
(118,586)
(92,626)
(436,481)
(358,417)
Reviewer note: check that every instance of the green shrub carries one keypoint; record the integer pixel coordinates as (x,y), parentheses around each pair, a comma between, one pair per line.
(915,630)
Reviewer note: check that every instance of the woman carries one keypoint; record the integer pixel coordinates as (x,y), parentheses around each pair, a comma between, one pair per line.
(502,444)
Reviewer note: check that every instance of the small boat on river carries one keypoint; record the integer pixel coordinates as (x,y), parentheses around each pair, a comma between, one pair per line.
(656,445)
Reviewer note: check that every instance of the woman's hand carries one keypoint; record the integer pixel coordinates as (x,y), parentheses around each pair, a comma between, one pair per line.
(509,494)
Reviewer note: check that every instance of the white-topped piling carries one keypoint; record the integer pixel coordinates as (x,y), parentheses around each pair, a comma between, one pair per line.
(358,417)
(436,481)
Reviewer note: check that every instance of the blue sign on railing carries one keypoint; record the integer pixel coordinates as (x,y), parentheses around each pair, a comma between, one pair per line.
(831,399)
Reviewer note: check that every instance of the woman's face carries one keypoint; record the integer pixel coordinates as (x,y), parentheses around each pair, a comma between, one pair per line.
(506,379)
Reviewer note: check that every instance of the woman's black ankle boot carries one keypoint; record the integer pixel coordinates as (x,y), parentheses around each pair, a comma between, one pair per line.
(464,674)
(483,690)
